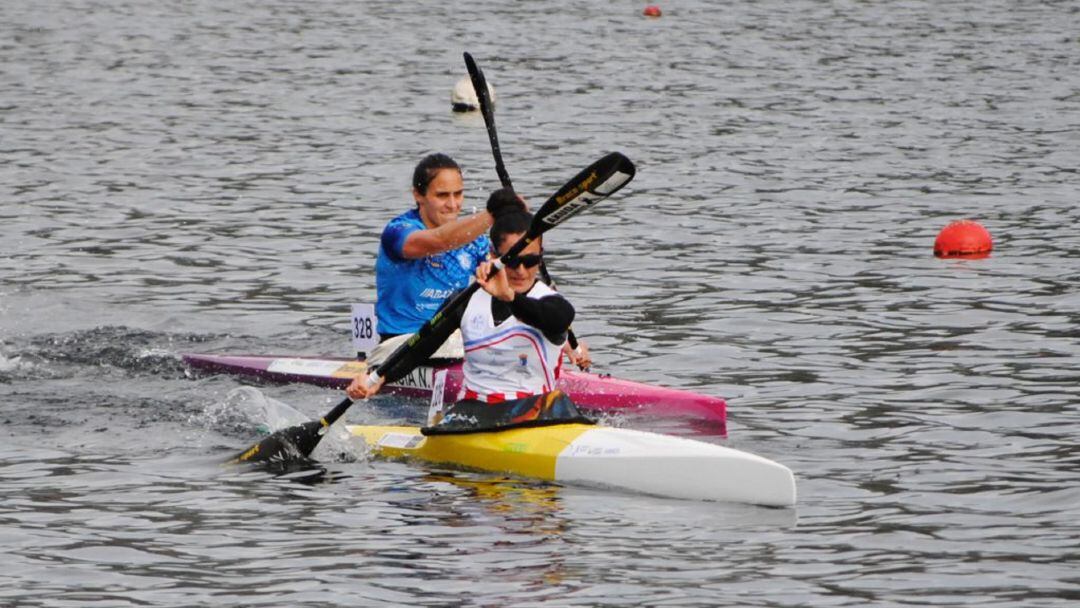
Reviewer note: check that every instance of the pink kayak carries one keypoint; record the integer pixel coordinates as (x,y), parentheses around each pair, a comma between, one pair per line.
(595,392)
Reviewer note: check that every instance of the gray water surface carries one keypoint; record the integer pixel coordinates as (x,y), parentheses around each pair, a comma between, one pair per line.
(213,176)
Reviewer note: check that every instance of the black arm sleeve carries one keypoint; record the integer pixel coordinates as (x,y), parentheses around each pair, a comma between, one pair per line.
(551,314)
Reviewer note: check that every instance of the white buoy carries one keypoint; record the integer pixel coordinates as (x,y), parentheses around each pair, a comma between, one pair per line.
(463,97)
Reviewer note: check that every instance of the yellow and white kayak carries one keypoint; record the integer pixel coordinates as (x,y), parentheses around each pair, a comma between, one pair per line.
(584,454)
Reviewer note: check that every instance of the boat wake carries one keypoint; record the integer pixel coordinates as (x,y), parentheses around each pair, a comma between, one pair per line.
(135,351)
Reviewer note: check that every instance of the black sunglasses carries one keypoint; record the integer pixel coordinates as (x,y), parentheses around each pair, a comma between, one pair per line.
(531,260)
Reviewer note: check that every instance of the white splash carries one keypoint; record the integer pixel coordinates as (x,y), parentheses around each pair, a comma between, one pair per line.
(248,407)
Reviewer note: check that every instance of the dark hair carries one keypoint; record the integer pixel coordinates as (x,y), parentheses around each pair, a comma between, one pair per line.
(427,168)
(515,222)
(503,201)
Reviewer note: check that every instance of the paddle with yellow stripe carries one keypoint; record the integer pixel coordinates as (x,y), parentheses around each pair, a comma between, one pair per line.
(592,185)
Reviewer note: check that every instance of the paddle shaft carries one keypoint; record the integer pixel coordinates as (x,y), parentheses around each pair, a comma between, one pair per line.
(487,110)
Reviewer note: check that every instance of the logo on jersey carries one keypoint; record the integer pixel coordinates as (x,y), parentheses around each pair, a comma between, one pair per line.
(465,260)
(477,323)
(436,294)
(523,365)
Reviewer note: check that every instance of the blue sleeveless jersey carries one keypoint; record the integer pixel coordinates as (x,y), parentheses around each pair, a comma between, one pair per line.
(410,291)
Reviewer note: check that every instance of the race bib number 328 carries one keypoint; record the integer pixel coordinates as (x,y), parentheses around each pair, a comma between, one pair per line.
(364,327)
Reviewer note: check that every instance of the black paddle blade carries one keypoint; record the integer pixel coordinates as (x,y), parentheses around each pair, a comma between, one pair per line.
(293,444)
(597,182)
(487,110)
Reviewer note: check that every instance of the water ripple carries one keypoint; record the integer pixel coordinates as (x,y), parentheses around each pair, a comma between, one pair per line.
(214,176)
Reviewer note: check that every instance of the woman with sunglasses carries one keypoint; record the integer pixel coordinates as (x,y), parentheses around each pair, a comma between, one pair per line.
(514,330)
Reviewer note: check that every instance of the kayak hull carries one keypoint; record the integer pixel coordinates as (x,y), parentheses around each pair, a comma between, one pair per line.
(580,454)
(590,391)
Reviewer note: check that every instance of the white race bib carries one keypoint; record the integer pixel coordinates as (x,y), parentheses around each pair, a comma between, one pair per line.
(365,329)
(435,411)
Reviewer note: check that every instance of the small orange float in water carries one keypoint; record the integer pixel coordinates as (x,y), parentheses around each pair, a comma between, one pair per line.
(651,11)
(963,239)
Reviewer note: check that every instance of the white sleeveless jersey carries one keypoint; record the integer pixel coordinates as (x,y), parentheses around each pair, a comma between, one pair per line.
(508,361)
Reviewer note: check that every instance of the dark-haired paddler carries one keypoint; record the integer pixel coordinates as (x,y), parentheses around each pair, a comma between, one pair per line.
(428,252)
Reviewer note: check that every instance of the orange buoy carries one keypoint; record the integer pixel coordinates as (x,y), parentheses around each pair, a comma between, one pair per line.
(963,239)
(651,11)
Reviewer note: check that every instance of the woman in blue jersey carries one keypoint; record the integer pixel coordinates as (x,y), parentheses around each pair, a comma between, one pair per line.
(513,329)
(429,252)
